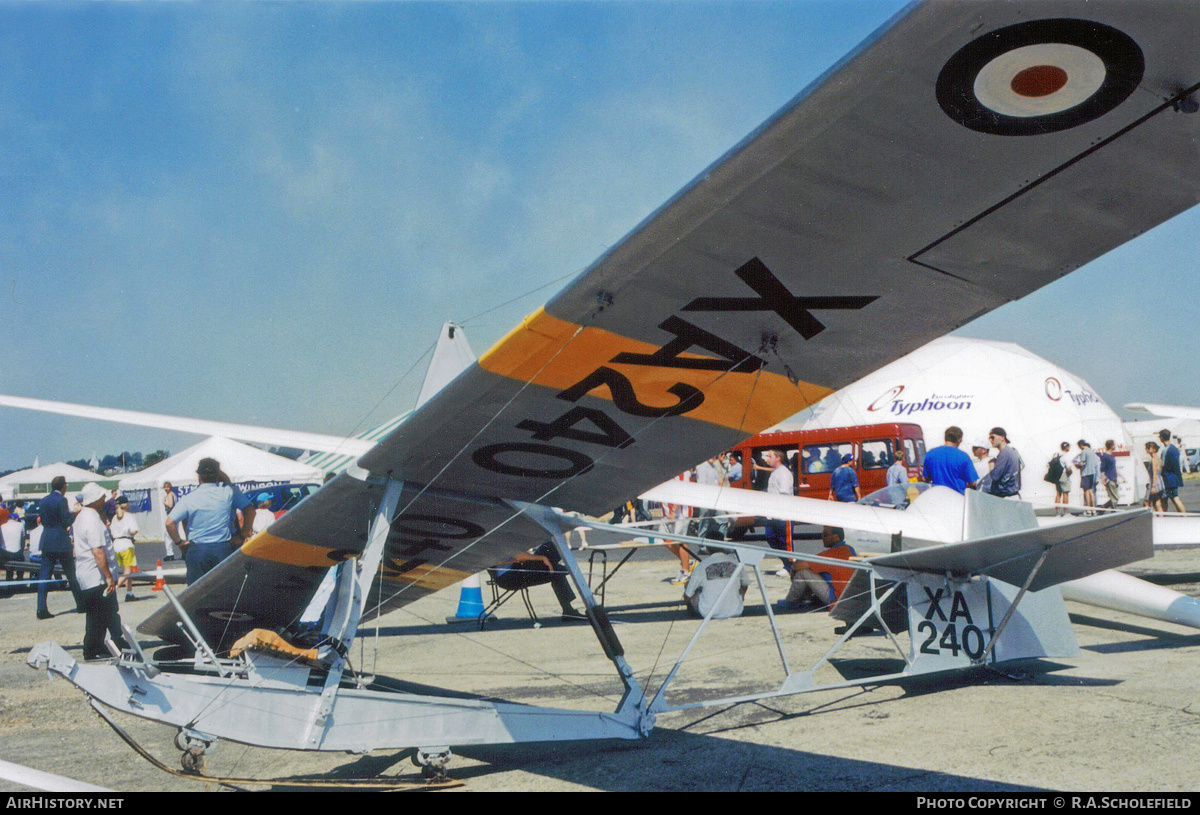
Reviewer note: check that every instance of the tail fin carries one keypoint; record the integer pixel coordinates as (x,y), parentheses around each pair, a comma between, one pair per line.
(452,356)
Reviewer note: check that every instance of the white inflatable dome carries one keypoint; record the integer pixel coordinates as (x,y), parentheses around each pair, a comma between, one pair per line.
(981,384)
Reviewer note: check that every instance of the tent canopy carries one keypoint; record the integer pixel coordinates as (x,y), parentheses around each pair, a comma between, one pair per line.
(241,463)
(244,464)
(39,479)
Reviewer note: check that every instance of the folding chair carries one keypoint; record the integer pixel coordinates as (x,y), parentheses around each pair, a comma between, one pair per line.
(509,579)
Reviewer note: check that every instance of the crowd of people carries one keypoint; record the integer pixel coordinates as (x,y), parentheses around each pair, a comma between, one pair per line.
(90,539)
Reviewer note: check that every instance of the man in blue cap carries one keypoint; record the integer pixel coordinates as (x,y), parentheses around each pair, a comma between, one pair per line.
(843,484)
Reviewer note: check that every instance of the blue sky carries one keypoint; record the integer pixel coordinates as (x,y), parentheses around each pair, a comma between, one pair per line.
(262,213)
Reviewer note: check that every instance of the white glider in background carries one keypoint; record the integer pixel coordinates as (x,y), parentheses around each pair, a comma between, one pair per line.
(1166,411)
(452,355)
(231,430)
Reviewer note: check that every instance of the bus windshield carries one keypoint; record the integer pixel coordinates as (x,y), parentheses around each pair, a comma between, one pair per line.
(897,496)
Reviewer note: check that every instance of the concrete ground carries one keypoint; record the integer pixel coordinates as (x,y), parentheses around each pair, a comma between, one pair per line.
(1122,715)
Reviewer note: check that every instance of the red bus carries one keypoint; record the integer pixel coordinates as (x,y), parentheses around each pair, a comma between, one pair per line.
(813,455)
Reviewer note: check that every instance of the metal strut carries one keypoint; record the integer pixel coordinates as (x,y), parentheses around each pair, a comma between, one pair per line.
(353,583)
(633,702)
(1012,608)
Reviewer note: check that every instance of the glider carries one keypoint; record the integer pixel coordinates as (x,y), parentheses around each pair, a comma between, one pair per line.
(962,157)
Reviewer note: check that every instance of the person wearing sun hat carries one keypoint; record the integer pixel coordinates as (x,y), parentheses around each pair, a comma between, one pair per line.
(96,570)
(263,516)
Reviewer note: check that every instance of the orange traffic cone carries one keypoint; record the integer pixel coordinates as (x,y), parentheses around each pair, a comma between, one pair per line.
(159,582)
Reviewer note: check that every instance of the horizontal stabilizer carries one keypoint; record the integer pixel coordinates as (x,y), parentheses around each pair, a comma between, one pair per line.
(1072,550)
(933,527)
(1176,532)
(1171,531)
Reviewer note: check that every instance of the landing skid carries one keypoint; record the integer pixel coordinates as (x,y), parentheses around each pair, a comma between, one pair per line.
(192,751)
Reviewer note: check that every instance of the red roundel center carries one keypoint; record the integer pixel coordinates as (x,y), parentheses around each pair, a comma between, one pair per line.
(1039,80)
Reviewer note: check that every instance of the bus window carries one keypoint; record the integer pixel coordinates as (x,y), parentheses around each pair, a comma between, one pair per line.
(876,454)
(824,458)
(915,451)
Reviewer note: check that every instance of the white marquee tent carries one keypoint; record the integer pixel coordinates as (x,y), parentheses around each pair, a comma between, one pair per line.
(980,384)
(246,466)
(10,485)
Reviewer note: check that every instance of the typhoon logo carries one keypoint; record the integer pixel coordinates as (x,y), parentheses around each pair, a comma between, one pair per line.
(893,404)
(882,401)
(1080,397)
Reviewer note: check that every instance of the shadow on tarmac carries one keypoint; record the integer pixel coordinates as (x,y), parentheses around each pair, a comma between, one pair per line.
(675,760)
(1171,579)
(695,756)
(1156,638)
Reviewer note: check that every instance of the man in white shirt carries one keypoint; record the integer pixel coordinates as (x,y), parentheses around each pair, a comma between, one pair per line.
(979,457)
(34,541)
(713,473)
(778,533)
(12,533)
(95,569)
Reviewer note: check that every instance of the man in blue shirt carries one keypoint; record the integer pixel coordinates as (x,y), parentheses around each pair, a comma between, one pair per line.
(843,484)
(1172,472)
(947,466)
(209,514)
(1108,473)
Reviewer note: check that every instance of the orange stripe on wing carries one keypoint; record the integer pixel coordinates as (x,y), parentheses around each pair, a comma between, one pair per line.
(426,575)
(531,353)
(270,547)
(281,550)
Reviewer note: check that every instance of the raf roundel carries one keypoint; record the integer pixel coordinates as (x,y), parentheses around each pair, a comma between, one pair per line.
(1039,77)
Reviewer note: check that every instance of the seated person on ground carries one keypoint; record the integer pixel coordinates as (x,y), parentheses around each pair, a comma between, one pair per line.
(820,584)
